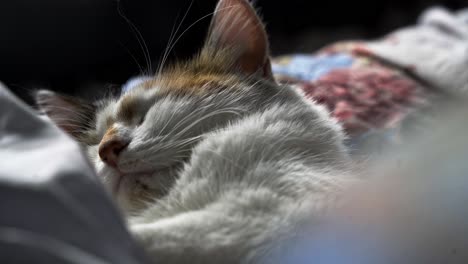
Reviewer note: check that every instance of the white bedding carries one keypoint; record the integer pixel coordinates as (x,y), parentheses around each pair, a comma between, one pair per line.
(52,208)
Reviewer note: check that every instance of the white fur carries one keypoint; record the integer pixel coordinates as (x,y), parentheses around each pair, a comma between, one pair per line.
(233,170)
(264,161)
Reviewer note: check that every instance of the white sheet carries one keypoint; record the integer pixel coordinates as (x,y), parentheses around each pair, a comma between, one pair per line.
(52,209)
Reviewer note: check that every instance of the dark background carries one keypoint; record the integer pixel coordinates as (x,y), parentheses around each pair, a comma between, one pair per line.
(87,46)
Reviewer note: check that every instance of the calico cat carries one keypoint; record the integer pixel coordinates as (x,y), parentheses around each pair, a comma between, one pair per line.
(212,161)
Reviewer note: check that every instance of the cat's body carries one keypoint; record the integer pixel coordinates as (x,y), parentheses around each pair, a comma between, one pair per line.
(248,184)
(211,160)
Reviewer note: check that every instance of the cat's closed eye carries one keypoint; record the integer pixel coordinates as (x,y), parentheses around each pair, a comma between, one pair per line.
(142,119)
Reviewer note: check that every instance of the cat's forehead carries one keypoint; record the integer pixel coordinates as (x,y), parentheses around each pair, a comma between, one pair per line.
(140,92)
(179,83)
(175,83)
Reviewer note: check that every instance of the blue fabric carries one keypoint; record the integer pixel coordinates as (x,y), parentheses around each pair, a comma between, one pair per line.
(310,68)
(133,82)
(377,138)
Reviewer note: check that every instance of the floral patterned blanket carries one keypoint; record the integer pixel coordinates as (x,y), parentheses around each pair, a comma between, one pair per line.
(372,87)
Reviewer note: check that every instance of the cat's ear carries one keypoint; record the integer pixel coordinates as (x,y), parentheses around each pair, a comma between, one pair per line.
(72,115)
(236,27)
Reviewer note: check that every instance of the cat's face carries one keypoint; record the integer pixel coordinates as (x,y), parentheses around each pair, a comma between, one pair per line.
(139,141)
(154,133)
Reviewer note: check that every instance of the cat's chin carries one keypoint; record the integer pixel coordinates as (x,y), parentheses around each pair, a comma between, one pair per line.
(133,190)
(124,188)
(113,181)
(129,180)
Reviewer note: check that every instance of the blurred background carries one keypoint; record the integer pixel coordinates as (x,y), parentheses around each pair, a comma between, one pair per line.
(88,46)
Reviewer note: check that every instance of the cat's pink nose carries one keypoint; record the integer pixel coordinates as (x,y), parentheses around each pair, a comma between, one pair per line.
(109,151)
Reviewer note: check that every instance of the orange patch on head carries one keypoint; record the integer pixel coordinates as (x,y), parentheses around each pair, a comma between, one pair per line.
(209,70)
(180,81)
(197,84)
(128,107)
(110,134)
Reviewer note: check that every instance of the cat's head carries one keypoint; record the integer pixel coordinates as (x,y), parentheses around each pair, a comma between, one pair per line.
(139,141)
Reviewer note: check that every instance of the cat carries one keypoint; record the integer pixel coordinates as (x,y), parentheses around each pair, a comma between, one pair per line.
(212,161)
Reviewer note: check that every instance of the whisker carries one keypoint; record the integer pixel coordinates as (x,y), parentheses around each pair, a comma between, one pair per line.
(192,25)
(171,37)
(133,57)
(154,149)
(168,49)
(223,111)
(182,121)
(138,36)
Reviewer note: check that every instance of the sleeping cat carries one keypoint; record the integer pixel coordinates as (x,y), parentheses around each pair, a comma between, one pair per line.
(211,160)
